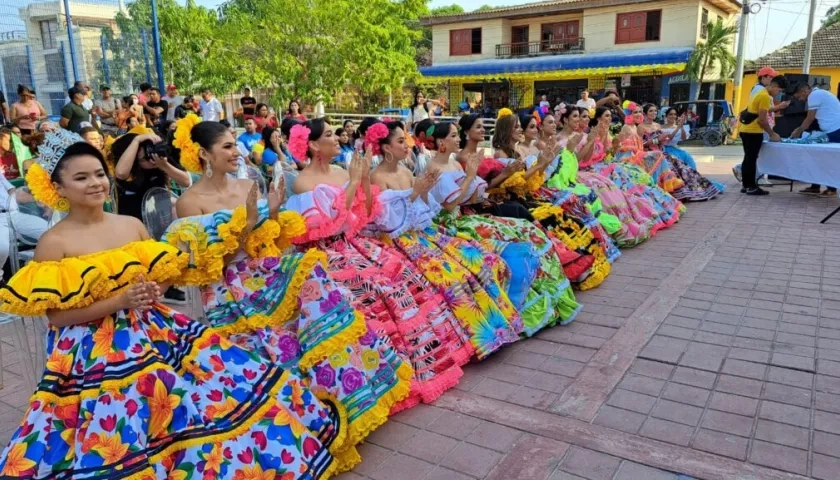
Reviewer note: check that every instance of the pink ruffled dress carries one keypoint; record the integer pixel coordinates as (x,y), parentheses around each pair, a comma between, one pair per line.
(395,298)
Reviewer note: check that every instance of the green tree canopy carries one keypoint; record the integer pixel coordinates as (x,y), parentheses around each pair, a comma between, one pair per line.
(832,16)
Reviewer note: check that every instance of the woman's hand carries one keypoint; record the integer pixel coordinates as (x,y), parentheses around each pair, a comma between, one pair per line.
(276,195)
(147,137)
(471,167)
(141,295)
(251,210)
(513,167)
(275,144)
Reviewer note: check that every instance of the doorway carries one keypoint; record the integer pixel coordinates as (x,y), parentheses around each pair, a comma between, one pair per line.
(519,40)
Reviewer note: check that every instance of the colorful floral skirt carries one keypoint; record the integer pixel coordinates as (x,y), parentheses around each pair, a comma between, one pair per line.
(155,394)
(655,164)
(550,298)
(632,180)
(399,303)
(697,188)
(290,312)
(689,160)
(475,296)
(636,213)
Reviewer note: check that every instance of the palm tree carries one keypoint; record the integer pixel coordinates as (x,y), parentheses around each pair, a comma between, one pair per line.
(715,50)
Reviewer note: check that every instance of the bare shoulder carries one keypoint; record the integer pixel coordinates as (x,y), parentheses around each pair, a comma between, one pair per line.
(188,204)
(51,246)
(303,183)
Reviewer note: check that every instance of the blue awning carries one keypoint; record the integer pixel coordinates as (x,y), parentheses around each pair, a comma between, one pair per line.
(630,59)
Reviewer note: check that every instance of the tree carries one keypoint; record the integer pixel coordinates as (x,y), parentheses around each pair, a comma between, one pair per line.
(832,16)
(486,7)
(714,52)
(314,48)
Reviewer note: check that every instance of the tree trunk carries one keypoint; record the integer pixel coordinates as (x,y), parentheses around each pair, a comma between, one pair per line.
(700,80)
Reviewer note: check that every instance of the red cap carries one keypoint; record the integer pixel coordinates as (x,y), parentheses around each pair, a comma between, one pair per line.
(764,71)
(171,86)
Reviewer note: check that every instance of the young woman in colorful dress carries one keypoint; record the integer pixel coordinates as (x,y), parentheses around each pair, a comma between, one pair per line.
(131,388)
(628,176)
(394,296)
(559,211)
(282,305)
(675,131)
(540,289)
(466,274)
(635,213)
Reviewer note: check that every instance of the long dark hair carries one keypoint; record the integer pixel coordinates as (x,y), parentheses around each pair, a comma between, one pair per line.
(599,112)
(300,108)
(317,127)
(414,104)
(503,135)
(257,108)
(466,123)
(266,137)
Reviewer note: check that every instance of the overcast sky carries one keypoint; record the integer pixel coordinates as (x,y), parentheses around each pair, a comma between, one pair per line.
(779,22)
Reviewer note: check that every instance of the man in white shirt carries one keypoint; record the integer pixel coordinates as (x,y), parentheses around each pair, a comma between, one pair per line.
(173,99)
(825,109)
(210,107)
(585,101)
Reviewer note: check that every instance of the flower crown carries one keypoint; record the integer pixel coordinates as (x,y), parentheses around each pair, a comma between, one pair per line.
(376,133)
(425,138)
(504,112)
(299,142)
(38,177)
(183,142)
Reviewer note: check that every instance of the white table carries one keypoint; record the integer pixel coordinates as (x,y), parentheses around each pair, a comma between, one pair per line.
(817,163)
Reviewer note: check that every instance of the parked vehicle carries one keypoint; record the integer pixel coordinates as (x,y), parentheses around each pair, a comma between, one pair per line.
(710,120)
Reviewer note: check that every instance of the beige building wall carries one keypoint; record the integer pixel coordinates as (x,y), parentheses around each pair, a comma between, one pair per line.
(680,26)
(491,35)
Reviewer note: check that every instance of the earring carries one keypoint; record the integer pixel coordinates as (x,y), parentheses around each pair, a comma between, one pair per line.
(388,157)
(208,171)
(442,149)
(62,204)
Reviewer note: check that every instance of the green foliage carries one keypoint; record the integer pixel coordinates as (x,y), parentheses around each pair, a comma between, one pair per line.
(486,7)
(715,51)
(832,16)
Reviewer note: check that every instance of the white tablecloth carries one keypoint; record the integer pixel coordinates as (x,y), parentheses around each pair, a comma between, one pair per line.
(816,163)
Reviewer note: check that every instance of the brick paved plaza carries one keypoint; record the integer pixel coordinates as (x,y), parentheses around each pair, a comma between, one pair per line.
(711,351)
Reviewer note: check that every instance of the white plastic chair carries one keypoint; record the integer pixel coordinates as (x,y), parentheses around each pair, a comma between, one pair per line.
(158,213)
(257,176)
(24,214)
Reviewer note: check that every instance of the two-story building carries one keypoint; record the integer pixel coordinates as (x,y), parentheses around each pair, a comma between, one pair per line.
(511,56)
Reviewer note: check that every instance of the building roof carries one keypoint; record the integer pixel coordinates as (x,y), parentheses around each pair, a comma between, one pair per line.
(824,52)
(625,61)
(550,7)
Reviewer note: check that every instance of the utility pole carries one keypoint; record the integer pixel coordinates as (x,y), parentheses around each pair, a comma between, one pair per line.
(739,66)
(809,38)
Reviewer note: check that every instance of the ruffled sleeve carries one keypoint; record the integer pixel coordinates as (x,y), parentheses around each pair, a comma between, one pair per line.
(489,168)
(447,187)
(272,236)
(567,171)
(207,239)
(400,214)
(77,282)
(325,214)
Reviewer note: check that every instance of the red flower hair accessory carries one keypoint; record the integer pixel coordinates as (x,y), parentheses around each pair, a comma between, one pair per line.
(375,133)
(299,142)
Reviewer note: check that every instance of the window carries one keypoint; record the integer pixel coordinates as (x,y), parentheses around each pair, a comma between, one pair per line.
(638,27)
(49,32)
(55,67)
(465,42)
(704,23)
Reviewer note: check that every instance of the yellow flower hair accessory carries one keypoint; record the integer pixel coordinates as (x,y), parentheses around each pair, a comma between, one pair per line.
(41,186)
(504,112)
(183,142)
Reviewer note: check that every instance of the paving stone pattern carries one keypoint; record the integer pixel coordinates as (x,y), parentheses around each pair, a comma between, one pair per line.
(743,373)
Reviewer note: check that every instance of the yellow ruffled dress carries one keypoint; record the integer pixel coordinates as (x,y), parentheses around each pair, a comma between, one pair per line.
(288,310)
(154,394)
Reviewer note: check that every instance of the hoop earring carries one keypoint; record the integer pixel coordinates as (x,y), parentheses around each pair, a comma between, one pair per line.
(388,157)
(208,171)
(62,204)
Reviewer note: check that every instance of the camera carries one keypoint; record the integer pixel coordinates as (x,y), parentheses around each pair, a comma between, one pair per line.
(160,149)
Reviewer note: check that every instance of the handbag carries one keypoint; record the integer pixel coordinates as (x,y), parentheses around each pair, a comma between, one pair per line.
(747,117)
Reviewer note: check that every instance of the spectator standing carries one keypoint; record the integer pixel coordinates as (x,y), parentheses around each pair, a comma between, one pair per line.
(27,111)
(585,101)
(210,107)
(74,115)
(752,133)
(419,110)
(107,107)
(173,101)
(250,137)
(825,109)
(350,128)
(264,117)
(248,103)
(8,159)
(143,97)
(156,107)
(185,108)
(87,103)
(294,111)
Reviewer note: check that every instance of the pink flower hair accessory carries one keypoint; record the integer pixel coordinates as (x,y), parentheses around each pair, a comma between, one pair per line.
(374,135)
(299,141)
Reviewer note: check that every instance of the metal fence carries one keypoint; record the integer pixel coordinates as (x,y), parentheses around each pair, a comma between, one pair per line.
(40,51)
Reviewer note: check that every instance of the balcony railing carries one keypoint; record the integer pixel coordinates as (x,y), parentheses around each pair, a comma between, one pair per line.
(545,47)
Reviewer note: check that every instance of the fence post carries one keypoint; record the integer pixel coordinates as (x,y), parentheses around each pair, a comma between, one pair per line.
(70,40)
(31,65)
(146,57)
(67,82)
(105,67)
(156,43)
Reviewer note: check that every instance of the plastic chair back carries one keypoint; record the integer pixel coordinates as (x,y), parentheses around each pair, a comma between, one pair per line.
(158,211)
(257,176)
